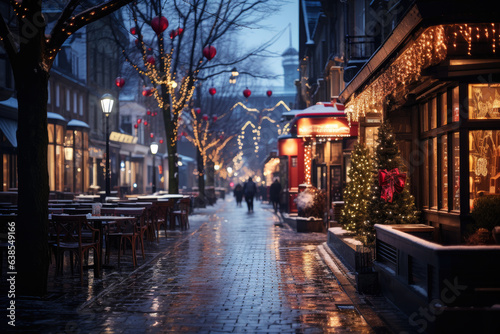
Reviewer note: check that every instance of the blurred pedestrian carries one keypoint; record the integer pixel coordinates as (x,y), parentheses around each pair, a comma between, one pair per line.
(274,194)
(238,193)
(249,190)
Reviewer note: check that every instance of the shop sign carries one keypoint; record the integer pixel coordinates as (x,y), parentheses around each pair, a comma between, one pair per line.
(323,126)
(122,138)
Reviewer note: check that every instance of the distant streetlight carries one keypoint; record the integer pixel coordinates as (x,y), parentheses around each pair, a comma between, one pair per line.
(216,167)
(107,106)
(154,149)
(229,170)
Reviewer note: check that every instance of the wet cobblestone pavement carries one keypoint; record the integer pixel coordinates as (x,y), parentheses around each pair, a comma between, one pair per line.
(232,272)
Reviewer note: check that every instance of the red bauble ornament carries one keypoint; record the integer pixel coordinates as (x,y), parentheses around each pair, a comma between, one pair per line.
(159,24)
(151,135)
(212,91)
(151,60)
(247,92)
(139,121)
(214,118)
(209,52)
(173,33)
(148,112)
(145,123)
(205,117)
(148,91)
(155,113)
(161,141)
(198,110)
(120,82)
(135,126)
(133,30)
(179,31)
(269,93)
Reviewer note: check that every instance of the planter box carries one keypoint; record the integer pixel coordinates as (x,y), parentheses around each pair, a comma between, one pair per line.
(306,225)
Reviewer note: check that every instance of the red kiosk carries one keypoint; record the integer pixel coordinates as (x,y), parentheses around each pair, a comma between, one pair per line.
(316,150)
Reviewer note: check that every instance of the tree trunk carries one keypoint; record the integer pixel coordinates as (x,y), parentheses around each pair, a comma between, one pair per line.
(173,169)
(32,253)
(201,178)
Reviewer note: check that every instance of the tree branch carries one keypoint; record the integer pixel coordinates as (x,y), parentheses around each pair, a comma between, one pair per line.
(73,23)
(8,39)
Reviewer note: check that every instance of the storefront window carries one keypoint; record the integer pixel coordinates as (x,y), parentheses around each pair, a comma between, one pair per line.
(444,172)
(484,163)
(75,161)
(425,186)
(433,113)
(455,146)
(55,158)
(424,117)
(484,101)
(455,105)
(443,106)
(336,153)
(371,137)
(434,174)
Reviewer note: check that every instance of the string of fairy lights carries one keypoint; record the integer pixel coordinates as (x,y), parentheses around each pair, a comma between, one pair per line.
(256,129)
(430,48)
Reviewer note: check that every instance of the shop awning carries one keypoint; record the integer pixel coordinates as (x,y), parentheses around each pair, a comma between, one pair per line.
(9,128)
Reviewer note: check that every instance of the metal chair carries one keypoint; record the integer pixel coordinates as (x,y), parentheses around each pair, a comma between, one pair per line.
(182,212)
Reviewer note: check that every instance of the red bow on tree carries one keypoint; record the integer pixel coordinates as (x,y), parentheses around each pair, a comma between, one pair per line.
(391,181)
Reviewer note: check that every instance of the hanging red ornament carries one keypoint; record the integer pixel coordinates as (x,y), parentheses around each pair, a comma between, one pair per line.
(212,91)
(198,110)
(139,121)
(269,93)
(155,113)
(148,112)
(173,33)
(391,182)
(159,24)
(151,60)
(135,126)
(205,117)
(214,118)
(145,92)
(209,52)
(133,30)
(151,135)
(120,82)
(161,141)
(180,31)
(247,92)
(145,123)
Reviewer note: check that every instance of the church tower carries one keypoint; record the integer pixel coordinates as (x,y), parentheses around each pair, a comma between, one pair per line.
(290,65)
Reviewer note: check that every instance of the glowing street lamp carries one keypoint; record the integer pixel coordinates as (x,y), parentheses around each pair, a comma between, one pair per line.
(107,106)
(154,149)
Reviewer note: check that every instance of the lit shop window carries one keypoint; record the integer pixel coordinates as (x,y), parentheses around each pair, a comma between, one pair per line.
(484,101)
(484,163)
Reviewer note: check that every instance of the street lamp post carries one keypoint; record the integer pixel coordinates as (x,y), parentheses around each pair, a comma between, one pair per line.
(154,150)
(107,105)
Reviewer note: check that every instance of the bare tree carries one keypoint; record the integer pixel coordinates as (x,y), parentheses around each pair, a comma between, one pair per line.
(172,66)
(31,51)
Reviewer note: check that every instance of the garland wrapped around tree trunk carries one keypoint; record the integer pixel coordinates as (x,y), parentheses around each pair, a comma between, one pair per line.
(391,201)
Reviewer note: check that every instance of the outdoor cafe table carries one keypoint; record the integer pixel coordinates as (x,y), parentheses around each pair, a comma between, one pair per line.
(160,197)
(99,222)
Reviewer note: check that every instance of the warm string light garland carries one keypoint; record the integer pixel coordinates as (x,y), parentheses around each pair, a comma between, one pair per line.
(307,161)
(430,48)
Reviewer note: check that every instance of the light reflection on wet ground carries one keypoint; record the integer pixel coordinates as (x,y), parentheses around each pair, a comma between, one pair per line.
(238,273)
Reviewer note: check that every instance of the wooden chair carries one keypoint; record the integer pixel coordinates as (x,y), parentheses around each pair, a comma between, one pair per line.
(77,211)
(160,213)
(131,230)
(69,230)
(182,212)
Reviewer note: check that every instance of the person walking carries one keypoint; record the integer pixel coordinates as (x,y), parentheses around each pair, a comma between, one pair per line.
(249,189)
(238,193)
(274,194)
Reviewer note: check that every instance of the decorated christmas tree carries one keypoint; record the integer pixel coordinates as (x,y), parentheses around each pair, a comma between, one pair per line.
(391,201)
(356,196)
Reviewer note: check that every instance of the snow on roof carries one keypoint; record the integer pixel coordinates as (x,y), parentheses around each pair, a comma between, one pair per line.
(77,124)
(53,115)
